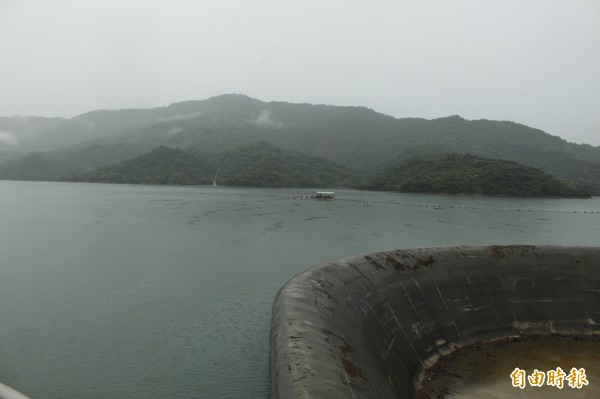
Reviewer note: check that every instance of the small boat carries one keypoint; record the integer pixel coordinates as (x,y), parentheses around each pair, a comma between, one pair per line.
(319,195)
(324,195)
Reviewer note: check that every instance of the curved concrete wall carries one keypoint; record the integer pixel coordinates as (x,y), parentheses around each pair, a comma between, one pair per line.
(9,393)
(367,326)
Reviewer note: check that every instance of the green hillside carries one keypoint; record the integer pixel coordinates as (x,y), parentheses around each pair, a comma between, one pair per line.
(161,166)
(357,138)
(264,165)
(468,174)
(256,164)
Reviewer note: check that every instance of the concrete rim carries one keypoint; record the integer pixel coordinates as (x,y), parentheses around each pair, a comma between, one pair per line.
(369,325)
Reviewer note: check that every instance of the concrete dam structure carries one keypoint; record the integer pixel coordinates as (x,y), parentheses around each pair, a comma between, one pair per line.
(370,326)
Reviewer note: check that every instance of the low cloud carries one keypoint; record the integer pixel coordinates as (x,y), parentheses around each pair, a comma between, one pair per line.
(89,125)
(7,140)
(179,117)
(265,119)
(174,131)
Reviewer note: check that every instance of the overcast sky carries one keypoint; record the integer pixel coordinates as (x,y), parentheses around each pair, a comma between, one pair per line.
(535,62)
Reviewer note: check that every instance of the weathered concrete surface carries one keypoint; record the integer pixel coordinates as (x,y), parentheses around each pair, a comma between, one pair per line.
(9,393)
(368,326)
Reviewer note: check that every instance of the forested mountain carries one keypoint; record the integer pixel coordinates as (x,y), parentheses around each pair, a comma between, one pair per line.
(468,174)
(264,165)
(22,134)
(163,165)
(354,137)
(256,164)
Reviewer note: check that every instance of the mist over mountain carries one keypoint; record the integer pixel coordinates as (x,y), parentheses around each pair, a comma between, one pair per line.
(356,138)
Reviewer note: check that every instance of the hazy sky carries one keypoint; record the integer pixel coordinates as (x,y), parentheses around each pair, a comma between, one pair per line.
(536,62)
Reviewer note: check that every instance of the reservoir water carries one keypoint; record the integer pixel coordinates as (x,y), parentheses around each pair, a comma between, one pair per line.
(129,291)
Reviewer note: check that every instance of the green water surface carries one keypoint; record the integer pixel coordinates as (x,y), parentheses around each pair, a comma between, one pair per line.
(122,291)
